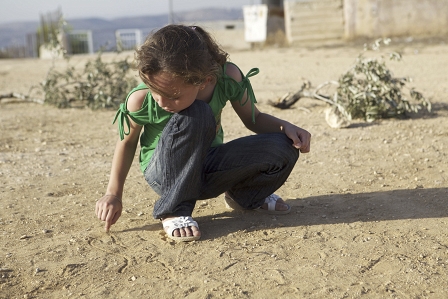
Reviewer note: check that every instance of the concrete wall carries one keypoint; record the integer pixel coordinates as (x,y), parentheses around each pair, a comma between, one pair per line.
(323,20)
(387,18)
(229,34)
(313,20)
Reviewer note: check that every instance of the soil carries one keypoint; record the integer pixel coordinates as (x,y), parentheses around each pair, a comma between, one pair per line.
(369,202)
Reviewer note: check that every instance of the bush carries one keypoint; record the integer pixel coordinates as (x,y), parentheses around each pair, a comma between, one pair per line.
(99,85)
(370,91)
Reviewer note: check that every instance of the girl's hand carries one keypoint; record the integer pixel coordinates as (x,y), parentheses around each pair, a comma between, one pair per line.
(301,139)
(108,208)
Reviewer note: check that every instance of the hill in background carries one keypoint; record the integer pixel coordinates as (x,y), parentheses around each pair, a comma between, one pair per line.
(103,30)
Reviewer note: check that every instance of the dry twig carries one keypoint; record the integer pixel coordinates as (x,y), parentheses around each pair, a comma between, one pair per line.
(18,97)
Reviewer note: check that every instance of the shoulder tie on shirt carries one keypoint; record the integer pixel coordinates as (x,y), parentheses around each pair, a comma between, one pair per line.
(235,90)
(250,92)
(123,117)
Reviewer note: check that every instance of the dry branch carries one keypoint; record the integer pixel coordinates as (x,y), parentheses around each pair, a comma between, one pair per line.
(290,99)
(18,97)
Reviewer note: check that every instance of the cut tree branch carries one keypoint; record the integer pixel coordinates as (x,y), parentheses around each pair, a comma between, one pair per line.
(290,99)
(18,97)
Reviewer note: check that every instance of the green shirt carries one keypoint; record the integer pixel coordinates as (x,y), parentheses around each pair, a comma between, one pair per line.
(153,118)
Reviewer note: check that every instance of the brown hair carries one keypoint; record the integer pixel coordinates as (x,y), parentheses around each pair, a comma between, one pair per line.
(183,51)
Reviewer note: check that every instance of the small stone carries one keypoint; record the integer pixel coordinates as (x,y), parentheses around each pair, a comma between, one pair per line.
(5,270)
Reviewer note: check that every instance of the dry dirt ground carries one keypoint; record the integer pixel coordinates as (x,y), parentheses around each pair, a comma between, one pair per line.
(369,203)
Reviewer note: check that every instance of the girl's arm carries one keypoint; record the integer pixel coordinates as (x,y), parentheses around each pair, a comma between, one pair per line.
(266,123)
(109,207)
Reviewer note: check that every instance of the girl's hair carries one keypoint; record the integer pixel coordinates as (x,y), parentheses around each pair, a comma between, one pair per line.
(186,52)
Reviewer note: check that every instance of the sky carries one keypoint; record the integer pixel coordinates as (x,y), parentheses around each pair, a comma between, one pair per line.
(30,10)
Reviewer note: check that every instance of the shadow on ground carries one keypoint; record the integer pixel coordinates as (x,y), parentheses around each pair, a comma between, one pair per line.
(330,209)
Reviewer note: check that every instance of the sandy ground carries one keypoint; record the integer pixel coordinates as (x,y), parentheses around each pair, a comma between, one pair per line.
(369,203)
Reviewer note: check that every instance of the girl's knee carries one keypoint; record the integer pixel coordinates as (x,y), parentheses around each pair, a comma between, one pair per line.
(198,117)
(282,145)
(198,109)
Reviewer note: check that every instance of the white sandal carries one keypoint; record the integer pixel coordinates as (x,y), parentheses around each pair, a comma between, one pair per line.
(180,222)
(271,200)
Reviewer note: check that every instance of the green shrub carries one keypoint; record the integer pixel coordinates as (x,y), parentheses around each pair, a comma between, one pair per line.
(100,85)
(369,90)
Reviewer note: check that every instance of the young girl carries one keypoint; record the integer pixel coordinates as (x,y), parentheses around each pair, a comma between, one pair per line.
(187,81)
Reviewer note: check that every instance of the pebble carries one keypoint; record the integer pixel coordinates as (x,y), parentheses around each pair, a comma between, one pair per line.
(5,270)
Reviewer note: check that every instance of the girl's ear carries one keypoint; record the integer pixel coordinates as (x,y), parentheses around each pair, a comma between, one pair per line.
(209,79)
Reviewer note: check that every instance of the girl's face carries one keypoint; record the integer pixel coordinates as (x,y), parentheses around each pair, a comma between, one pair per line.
(171,93)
